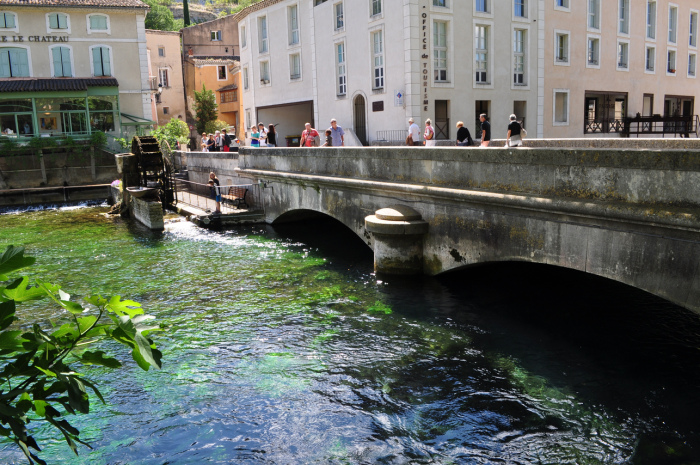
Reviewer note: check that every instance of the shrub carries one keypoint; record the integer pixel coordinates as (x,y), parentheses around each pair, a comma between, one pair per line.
(216,125)
(98,139)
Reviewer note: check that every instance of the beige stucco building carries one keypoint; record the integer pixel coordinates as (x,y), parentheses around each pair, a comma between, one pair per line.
(165,73)
(210,60)
(73,67)
(607,60)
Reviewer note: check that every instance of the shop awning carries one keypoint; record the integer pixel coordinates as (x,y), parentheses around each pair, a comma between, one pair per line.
(53,85)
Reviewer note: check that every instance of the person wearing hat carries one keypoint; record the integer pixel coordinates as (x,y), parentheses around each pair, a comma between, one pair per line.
(204,142)
(514,137)
(413,133)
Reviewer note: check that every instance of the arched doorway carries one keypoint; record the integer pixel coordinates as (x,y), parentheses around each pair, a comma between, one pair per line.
(360,119)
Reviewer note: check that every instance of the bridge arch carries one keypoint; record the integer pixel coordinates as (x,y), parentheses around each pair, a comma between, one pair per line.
(305,214)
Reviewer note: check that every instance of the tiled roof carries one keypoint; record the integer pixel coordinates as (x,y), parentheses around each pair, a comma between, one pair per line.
(253,8)
(77,3)
(228,87)
(50,85)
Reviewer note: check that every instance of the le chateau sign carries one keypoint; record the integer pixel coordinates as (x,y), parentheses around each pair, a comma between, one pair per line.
(34,39)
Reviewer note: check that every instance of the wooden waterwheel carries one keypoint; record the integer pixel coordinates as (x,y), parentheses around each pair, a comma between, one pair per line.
(154,170)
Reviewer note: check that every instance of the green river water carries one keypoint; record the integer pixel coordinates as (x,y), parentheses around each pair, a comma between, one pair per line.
(282,347)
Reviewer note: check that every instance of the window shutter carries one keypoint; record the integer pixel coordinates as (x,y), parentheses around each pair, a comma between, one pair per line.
(62,21)
(65,59)
(106,65)
(97,61)
(98,23)
(5,63)
(19,63)
(57,65)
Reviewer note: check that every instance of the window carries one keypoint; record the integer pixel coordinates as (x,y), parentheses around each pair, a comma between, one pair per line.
(262,34)
(624,19)
(440,3)
(161,51)
(14,62)
(481,54)
(693,30)
(215,36)
(163,77)
(440,51)
(692,58)
(651,19)
(378,59)
(561,47)
(244,40)
(294,66)
(561,107)
(519,57)
(221,74)
(482,6)
(8,21)
(264,72)
(229,96)
(166,110)
(520,8)
(563,4)
(671,62)
(341,68)
(293,17)
(339,17)
(376,7)
(593,51)
(650,61)
(58,21)
(672,24)
(61,60)
(245,78)
(101,61)
(594,14)
(98,23)
(623,55)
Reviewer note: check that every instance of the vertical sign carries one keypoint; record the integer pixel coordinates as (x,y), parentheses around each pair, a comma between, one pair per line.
(425,55)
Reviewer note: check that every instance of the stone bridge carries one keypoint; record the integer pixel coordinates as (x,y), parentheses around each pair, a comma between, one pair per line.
(631,215)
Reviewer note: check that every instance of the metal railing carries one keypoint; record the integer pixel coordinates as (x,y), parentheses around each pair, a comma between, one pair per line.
(676,125)
(234,198)
(394,135)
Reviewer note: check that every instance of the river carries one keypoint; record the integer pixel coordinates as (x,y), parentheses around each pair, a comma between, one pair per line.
(282,347)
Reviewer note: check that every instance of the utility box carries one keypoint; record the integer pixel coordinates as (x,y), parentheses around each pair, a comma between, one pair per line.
(293,141)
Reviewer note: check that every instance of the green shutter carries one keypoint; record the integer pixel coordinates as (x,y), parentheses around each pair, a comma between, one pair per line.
(62,21)
(53,21)
(65,59)
(97,61)
(7,20)
(57,65)
(19,65)
(4,63)
(106,65)
(98,23)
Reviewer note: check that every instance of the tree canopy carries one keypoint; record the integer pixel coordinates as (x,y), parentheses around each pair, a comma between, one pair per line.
(205,108)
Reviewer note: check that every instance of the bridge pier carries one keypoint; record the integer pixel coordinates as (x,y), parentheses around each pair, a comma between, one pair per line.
(398,240)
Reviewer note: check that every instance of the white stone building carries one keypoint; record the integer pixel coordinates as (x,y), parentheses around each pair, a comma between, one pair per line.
(373,64)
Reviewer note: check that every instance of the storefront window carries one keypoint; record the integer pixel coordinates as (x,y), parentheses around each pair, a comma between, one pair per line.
(16,117)
(102,113)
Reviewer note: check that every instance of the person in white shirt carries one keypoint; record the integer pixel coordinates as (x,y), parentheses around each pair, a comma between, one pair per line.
(263,135)
(413,131)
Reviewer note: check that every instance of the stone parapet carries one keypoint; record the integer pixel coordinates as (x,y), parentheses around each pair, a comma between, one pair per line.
(641,176)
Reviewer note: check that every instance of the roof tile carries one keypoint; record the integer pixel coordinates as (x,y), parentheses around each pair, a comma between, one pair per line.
(49,85)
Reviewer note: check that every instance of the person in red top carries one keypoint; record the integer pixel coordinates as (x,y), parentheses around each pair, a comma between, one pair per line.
(308,136)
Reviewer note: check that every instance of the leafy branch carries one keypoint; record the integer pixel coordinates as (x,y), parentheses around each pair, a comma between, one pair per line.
(37,381)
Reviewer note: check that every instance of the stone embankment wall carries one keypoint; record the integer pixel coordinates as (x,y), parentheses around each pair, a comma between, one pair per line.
(29,168)
(582,143)
(200,164)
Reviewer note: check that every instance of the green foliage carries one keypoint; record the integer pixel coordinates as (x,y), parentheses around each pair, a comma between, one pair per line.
(98,139)
(216,125)
(42,142)
(8,143)
(205,108)
(123,143)
(172,132)
(69,142)
(39,381)
(379,307)
(159,17)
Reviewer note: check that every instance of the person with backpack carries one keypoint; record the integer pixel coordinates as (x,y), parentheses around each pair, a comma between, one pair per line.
(514,137)
(310,137)
(429,134)
(225,141)
(464,138)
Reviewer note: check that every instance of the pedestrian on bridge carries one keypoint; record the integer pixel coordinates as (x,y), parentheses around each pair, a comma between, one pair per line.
(337,134)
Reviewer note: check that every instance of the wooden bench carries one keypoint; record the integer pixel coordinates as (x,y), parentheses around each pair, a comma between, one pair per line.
(236,196)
